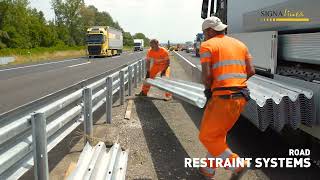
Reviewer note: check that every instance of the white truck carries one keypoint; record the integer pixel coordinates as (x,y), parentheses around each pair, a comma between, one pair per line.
(138,44)
(284,39)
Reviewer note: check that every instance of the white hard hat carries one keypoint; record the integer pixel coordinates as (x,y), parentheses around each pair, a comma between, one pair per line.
(214,23)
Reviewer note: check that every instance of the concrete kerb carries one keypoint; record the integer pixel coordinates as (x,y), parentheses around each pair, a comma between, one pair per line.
(190,68)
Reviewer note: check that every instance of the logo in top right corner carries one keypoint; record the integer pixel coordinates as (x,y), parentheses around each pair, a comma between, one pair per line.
(284,15)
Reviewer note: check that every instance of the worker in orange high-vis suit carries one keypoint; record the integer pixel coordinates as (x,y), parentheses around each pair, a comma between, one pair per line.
(226,66)
(159,57)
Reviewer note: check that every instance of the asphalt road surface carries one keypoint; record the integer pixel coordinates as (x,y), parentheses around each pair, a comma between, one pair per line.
(25,83)
(191,57)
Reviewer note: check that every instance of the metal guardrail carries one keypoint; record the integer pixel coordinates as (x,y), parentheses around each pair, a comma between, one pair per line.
(275,104)
(26,137)
(96,163)
(6,60)
(185,90)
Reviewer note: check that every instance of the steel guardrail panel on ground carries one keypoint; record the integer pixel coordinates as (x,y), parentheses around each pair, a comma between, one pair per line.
(96,162)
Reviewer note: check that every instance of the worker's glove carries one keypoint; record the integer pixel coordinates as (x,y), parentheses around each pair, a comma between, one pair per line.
(246,93)
(163,73)
(208,94)
(148,75)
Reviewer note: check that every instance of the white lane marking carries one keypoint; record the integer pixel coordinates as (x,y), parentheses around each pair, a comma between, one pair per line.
(115,57)
(185,59)
(131,53)
(39,65)
(79,64)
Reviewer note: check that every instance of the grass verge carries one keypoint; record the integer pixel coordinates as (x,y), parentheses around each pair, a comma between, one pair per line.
(24,56)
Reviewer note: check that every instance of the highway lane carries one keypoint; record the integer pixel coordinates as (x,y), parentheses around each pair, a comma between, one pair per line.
(23,84)
(7,72)
(191,57)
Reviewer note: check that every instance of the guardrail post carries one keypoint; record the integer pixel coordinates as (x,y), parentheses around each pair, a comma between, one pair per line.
(87,113)
(135,76)
(140,71)
(130,80)
(143,68)
(109,99)
(122,87)
(39,141)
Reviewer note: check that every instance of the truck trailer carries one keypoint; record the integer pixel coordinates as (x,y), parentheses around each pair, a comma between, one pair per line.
(104,41)
(284,39)
(138,44)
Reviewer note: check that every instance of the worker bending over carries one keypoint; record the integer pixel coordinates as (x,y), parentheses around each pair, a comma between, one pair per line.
(159,57)
(226,66)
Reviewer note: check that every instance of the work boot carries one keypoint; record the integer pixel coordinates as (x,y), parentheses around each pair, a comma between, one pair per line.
(206,175)
(141,94)
(239,172)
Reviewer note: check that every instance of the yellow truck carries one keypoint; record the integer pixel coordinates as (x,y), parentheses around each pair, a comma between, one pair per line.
(104,41)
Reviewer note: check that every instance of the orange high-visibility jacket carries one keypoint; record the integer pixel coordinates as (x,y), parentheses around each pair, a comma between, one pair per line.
(158,57)
(227,57)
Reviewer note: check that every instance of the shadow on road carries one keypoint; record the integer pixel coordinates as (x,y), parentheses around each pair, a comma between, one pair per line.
(248,141)
(166,151)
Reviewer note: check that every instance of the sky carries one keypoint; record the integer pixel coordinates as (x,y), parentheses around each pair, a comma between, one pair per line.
(175,20)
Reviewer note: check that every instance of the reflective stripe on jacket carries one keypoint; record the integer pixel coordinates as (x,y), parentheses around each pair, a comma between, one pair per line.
(227,58)
(158,57)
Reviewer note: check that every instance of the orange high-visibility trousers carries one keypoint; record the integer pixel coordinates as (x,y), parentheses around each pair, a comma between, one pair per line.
(155,69)
(219,117)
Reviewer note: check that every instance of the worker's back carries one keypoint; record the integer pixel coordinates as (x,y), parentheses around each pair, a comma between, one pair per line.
(227,58)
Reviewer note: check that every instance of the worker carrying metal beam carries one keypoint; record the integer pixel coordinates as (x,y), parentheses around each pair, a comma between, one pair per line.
(159,57)
(226,66)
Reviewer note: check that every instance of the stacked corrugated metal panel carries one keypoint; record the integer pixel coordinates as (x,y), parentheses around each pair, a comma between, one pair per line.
(300,47)
(96,163)
(275,104)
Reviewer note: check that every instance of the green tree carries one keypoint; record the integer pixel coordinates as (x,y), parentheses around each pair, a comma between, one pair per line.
(105,19)
(15,21)
(142,36)
(3,37)
(23,27)
(69,21)
(88,14)
(127,39)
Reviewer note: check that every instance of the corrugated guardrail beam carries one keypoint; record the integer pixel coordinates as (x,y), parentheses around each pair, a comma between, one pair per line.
(96,162)
(189,92)
(62,117)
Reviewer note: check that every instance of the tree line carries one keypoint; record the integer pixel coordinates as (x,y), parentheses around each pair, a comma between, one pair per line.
(25,27)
